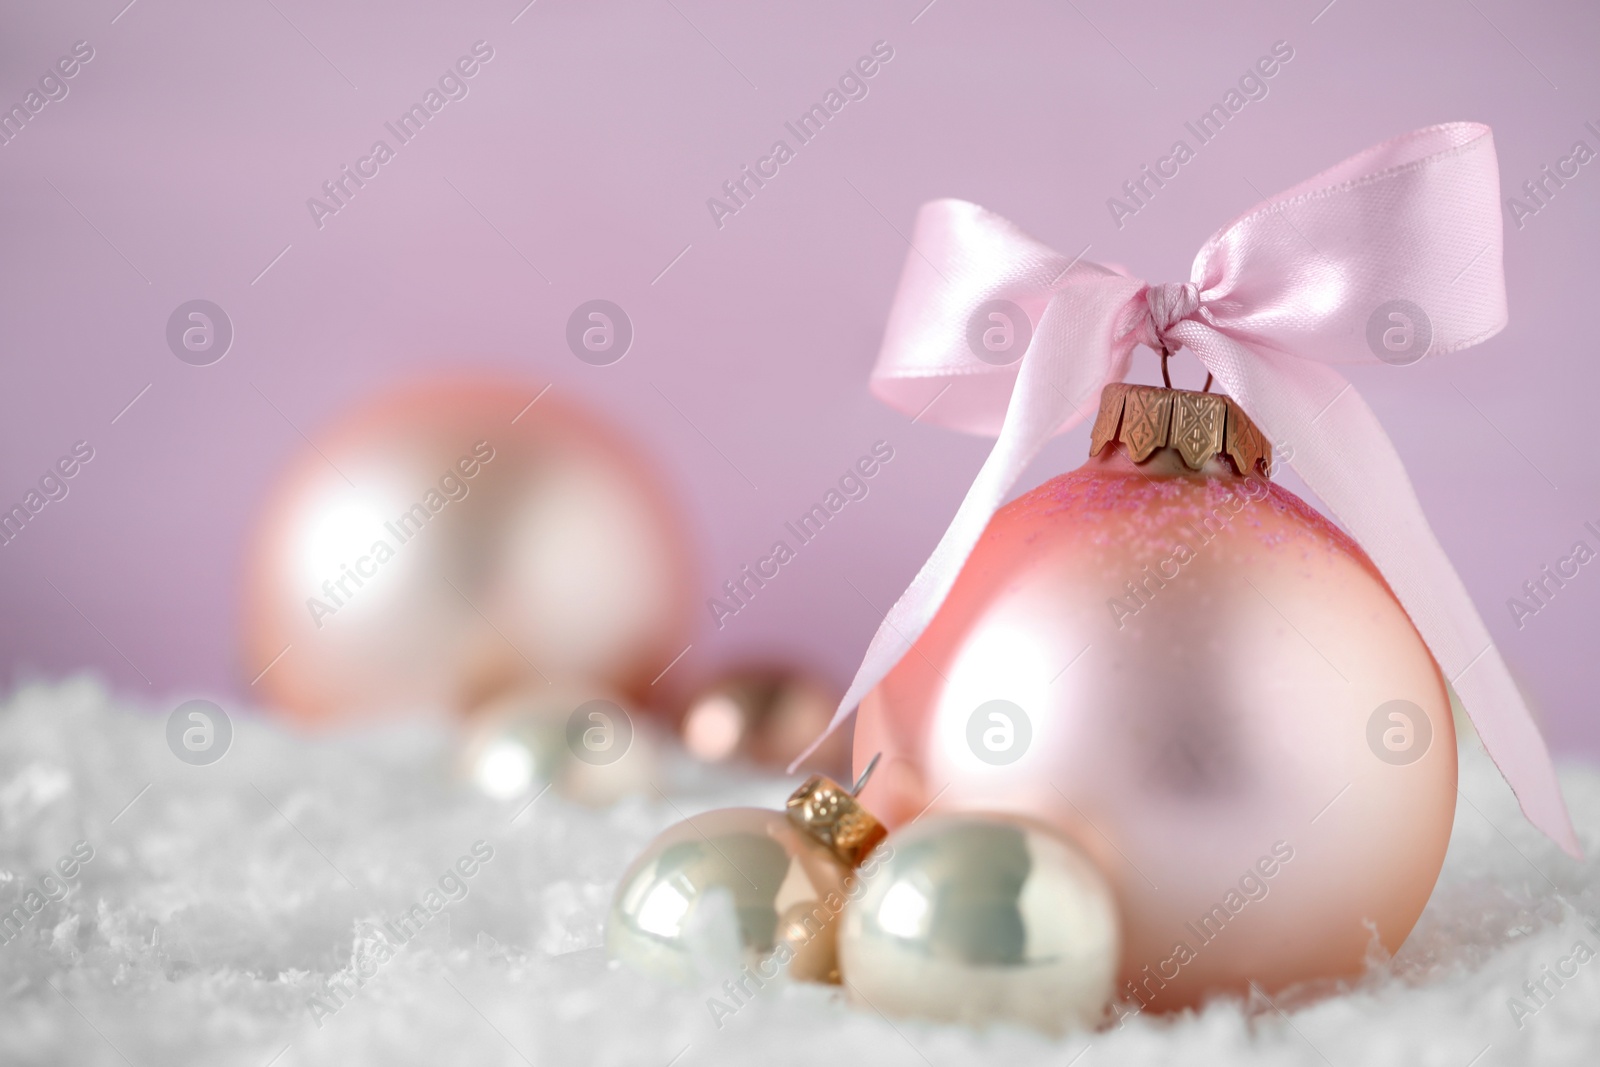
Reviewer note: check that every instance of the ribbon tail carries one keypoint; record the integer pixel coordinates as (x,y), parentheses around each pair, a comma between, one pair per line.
(1341,450)
(1072,356)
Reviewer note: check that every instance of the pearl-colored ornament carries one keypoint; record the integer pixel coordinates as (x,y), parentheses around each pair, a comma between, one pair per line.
(583,742)
(784,887)
(518,542)
(1211,690)
(981,918)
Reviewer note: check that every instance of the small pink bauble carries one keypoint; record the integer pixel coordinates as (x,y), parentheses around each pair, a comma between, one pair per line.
(451,541)
(1212,690)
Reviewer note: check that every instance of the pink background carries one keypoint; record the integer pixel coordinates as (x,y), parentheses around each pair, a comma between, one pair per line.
(185,151)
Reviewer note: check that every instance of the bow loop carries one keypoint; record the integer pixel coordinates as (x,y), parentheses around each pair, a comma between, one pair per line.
(1390,256)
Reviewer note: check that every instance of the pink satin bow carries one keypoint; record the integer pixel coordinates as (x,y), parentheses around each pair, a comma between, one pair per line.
(1308,279)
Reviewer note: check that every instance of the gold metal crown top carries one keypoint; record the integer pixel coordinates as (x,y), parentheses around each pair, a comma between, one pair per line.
(825,809)
(1199,425)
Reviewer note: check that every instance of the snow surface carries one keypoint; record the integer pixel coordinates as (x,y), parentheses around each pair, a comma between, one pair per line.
(223,898)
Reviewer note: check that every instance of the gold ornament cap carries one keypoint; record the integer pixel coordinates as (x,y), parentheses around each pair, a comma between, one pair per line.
(1144,418)
(830,813)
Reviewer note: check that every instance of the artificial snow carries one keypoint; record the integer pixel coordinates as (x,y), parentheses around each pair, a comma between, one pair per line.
(220,904)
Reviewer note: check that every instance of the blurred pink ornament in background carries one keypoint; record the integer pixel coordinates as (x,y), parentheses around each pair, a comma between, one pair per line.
(454,539)
(766,714)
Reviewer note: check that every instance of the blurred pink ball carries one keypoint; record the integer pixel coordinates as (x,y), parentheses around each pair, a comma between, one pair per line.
(449,541)
(766,714)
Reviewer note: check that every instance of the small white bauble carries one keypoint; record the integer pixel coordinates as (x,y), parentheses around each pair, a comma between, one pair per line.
(582,741)
(782,887)
(981,918)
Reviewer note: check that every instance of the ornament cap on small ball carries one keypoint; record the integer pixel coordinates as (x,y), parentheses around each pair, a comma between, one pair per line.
(786,876)
(1206,685)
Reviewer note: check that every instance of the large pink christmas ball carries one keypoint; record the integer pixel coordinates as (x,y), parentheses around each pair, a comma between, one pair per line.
(1211,689)
(453,540)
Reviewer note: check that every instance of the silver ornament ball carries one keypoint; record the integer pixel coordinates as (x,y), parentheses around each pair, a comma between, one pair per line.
(786,890)
(981,918)
(582,740)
